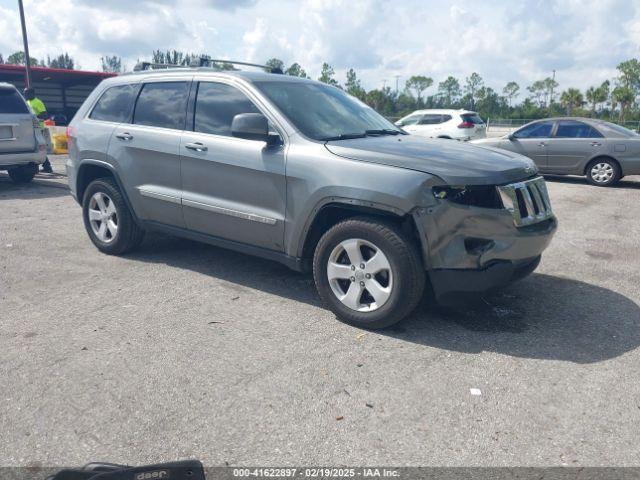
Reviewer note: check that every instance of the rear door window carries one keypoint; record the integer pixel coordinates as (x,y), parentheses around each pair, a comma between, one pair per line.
(114,104)
(574,129)
(162,104)
(430,119)
(12,102)
(535,130)
(216,105)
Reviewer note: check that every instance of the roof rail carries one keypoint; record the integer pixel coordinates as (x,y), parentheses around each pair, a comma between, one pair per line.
(204,62)
(214,63)
(140,66)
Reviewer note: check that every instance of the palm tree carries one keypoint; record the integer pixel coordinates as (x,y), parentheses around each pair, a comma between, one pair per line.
(592,98)
(623,96)
(602,93)
(571,98)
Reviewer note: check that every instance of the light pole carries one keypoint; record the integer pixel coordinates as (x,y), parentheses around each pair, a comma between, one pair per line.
(397,77)
(27,63)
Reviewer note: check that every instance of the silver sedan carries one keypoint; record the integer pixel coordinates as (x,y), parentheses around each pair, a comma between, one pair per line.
(602,151)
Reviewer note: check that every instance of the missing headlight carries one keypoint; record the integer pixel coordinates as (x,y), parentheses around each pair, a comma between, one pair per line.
(485,196)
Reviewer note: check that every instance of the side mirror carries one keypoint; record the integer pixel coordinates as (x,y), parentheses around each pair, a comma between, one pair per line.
(252,126)
(511,137)
(399,124)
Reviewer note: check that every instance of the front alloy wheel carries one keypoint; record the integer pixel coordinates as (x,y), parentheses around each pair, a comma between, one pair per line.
(368,272)
(360,275)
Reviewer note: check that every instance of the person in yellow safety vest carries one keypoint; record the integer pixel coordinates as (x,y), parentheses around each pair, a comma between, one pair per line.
(41,112)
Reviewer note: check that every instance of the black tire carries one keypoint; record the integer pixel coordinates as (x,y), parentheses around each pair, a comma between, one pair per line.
(129,235)
(24,173)
(403,257)
(617,174)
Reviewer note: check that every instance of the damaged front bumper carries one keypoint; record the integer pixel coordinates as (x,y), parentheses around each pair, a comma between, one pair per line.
(473,249)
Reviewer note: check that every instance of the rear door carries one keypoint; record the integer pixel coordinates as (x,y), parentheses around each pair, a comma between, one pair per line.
(17,130)
(90,136)
(233,188)
(573,144)
(147,150)
(532,141)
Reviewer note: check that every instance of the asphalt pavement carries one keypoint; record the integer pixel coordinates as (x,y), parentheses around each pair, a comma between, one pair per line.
(185,350)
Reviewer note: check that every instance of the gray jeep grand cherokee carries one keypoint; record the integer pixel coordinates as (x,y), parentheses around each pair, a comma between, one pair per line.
(300,172)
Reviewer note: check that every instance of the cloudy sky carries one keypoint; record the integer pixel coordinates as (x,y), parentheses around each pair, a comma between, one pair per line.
(521,40)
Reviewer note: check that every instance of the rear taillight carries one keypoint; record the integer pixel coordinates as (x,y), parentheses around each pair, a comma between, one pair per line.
(69,133)
(466,124)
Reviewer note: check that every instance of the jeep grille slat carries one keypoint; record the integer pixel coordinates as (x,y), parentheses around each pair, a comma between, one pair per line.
(528,201)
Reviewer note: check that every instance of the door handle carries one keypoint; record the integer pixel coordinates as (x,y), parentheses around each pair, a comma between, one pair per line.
(542,144)
(596,144)
(124,136)
(197,146)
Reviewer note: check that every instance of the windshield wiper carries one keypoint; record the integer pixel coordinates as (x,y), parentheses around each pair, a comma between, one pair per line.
(383,131)
(344,136)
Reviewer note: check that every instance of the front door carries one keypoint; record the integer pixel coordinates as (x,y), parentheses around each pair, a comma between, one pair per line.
(532,141)
(232,188)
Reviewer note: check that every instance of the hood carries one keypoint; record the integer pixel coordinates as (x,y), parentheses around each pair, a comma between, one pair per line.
(454,162)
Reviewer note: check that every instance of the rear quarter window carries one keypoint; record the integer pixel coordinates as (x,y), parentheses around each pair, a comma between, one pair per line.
(12,102)
(473,118)
(115,104)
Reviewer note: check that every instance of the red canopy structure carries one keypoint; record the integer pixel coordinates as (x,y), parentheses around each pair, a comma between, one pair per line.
(62,91)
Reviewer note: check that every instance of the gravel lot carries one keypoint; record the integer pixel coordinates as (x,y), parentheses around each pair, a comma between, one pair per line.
(185,350)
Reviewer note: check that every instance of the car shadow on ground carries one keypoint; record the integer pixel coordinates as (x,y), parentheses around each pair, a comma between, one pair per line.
(541,317)
(42,186)
(624,183)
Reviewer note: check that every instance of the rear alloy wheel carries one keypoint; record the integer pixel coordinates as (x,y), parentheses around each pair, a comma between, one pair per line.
(368,272)
(603,172)
(24,173)
(107,219)
(103,217)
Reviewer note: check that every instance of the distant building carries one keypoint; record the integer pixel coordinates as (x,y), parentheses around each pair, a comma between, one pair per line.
(62,91)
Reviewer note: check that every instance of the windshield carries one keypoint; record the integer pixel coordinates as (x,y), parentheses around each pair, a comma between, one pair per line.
(322,112)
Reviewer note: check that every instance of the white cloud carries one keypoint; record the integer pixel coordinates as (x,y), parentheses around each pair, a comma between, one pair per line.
(264,41)
(521,40)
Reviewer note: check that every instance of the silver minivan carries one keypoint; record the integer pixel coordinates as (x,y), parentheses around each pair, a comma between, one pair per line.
(22,145)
